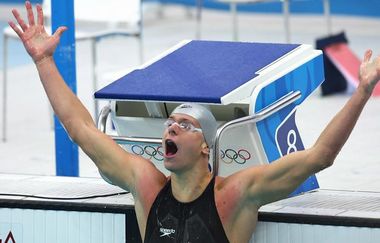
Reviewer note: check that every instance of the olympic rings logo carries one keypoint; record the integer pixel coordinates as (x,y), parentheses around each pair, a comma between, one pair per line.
(148,151)
(240,157)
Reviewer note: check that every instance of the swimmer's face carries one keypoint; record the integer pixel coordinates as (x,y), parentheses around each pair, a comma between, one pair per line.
(183,142)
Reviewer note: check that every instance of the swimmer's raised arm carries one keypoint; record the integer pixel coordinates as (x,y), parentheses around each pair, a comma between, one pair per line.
(277,180)
(111,159)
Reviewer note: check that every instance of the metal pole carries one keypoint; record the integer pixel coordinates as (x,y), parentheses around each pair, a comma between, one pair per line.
(327,12)
(198,31)
(66,151)
(285,9)
(95,75)
(5,68)
(140,34)
(233,7)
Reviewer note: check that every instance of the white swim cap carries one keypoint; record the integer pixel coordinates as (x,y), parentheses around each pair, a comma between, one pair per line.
(205,118)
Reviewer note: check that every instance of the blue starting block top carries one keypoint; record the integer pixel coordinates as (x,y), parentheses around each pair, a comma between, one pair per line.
(196,71)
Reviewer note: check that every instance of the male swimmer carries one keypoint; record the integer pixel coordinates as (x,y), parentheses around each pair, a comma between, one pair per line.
(190,205)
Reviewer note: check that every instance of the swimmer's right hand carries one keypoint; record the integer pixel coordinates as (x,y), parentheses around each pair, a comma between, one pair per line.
(37,42)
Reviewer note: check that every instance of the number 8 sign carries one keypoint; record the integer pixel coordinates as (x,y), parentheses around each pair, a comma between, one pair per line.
(288,139)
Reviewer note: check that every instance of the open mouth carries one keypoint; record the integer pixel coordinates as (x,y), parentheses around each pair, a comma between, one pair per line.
(170,148)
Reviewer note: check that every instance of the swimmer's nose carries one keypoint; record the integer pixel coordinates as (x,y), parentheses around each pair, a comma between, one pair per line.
(173,129)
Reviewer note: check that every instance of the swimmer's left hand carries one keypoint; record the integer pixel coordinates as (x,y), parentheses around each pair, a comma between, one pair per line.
(369,73)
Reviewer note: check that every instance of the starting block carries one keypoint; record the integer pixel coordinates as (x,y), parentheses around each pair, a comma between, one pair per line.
(253,90)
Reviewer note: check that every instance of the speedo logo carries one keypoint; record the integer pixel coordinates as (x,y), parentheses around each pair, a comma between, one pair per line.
(166,232)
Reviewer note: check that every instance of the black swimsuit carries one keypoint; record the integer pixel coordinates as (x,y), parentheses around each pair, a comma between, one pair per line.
(172,221)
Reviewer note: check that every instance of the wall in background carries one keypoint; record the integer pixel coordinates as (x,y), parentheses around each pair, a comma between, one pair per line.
(368,8)
(343,7)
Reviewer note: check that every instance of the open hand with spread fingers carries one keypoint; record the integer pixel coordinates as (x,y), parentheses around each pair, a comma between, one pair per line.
(39,44)
(369,73)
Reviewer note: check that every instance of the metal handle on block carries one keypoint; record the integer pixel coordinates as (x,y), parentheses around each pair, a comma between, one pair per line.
(266,112)
(102,122)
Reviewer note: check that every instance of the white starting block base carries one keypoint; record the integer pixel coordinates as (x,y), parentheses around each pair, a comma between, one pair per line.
(321,216)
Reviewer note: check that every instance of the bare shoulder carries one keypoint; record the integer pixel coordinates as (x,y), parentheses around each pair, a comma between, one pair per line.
(232,191)
(148,177)
(233,206)
(149,182)
(239,181)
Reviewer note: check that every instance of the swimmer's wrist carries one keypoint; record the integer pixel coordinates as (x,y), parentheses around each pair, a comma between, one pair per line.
(363,92)
(43,60)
